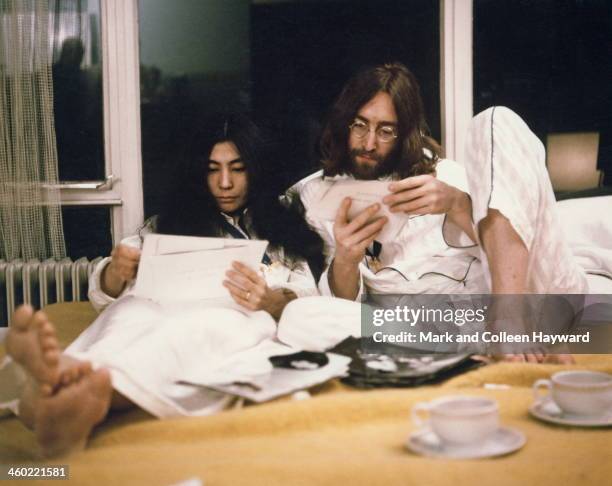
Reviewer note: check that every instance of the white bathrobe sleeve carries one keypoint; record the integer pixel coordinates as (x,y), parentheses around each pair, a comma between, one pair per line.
(100,300)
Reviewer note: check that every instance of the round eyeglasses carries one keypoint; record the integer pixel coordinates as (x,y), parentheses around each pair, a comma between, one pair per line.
(384,133)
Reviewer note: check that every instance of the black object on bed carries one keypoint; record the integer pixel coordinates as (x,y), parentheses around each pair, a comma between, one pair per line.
(390,365)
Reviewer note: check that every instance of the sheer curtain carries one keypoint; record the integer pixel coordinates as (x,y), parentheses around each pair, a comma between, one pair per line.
(30,212)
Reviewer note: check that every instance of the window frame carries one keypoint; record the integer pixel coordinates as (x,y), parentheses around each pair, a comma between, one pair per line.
(456,74)
(122,190)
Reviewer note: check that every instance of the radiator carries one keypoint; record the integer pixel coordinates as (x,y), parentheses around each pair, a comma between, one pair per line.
(40,283)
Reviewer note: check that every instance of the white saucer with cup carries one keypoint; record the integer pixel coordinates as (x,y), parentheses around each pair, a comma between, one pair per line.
(461,427)
(582,398)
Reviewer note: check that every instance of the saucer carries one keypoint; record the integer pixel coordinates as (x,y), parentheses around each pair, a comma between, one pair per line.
(503,441)
(548,411)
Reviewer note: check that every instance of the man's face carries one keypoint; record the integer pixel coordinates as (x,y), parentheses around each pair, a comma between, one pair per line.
(227,178)
(369,155)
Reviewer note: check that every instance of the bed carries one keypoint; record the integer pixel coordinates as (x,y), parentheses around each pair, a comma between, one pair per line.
(340,434)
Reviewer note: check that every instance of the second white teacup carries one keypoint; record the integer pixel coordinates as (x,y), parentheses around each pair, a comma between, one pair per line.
(458,419)
(587,393)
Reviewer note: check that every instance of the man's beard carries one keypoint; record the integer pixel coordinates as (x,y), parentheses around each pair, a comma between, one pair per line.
(369,172)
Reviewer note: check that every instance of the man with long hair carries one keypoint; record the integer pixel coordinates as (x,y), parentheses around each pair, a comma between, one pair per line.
(488,228)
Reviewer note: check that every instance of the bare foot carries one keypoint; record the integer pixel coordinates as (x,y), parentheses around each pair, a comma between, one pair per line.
(564,359)
(523,358)
(31,341)
(539,357)
(64,420)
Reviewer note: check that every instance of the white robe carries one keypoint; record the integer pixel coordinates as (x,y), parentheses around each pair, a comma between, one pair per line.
(505,170)
(149,347)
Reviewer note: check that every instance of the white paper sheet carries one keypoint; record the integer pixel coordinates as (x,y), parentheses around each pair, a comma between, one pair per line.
(362,194)
(250,374)
(284,381)
(181,268)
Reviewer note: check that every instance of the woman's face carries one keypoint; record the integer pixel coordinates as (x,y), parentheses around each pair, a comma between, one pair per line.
(227,177)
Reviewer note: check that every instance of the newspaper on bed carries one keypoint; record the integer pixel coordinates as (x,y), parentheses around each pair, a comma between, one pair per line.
(182,268)
(268,371)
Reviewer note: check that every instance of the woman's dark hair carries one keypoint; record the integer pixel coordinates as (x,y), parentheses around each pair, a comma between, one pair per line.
(192,210)
(400,84)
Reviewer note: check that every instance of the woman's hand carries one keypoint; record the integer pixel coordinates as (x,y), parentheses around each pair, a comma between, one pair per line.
(249,289)
(121,269)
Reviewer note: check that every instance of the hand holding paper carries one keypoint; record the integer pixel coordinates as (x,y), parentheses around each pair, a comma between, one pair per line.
(249,289)
(427,194)
(363,195)
(181,268)
(423,194)
(353,237)
(121,269)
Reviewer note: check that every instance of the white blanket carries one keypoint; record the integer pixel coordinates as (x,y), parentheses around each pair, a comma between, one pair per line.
(587,224)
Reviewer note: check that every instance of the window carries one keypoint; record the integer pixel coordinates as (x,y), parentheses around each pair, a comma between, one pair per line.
(78,117)
(77,89)
(550,62)
(102,178)
(285,61)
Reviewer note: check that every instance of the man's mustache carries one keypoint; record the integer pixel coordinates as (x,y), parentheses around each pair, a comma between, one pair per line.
(366,153)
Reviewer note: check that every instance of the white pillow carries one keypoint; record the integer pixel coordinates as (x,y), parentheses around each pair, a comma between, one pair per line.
(587,221)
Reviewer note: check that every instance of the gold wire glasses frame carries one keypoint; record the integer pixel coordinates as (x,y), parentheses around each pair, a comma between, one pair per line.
(384,133)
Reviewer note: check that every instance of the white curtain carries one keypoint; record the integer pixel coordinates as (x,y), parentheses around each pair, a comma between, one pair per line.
(30,212)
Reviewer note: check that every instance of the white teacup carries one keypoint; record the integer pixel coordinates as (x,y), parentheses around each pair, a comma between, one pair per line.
(586,393)
(458,419)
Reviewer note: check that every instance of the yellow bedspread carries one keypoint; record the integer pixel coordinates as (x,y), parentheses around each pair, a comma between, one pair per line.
(339,436)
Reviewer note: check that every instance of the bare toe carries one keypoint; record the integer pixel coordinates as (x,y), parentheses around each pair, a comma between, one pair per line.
(512,358)
(22,317)
(47,329)
(564,359)
(69,375)
(65,379)
(84,368)
(31,342)
(48,343)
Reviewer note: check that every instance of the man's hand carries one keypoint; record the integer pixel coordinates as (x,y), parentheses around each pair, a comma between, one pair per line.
(352,238)
(249,289)
(426,194)
(121,269)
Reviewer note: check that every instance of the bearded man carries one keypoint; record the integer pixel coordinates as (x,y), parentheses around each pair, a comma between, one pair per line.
(490,227)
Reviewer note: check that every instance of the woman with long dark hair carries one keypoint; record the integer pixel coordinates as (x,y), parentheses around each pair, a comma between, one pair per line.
(227,188)
(142,350)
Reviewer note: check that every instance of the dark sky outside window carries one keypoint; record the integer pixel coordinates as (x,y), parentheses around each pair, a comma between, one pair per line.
(551,62)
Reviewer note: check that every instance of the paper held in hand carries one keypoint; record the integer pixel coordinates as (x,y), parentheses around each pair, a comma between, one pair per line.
(362,194)
(181,268)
